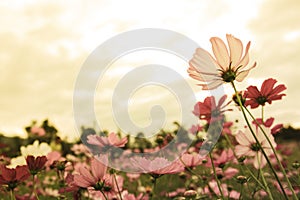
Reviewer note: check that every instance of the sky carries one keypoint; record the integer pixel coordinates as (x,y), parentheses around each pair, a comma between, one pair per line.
(44,44)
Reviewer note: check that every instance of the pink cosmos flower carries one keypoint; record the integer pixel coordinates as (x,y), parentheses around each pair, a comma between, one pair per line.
(209,110)
(104,143)
(228,65)
(267,93)
(226,174)
(158,166)
(248,146)
(90,178)
(214,186)
(221,159)
(191,160)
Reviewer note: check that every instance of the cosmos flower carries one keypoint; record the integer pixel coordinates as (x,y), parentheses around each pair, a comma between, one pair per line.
(105,143)
(35,149)
(267,93)
(11,177)
(248,147)
(35,164)
(227,66)
(209,110)
(158,166)
(191,160)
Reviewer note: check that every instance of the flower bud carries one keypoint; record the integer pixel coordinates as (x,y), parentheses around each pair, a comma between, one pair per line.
(296,165)
(241,179)
(190,193)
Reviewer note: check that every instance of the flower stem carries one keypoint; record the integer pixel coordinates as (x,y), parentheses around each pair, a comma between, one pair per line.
(241,192)
(104,195)
(266,184)
(257,141)
(12,196)
(276,156)
(115,178)
(262,114)
(216,177)
(34,187)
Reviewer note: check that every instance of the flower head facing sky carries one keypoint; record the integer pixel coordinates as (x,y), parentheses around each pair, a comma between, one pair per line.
(228,65)
(267,93)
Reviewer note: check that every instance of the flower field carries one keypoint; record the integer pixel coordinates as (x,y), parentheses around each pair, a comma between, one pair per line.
(213,159)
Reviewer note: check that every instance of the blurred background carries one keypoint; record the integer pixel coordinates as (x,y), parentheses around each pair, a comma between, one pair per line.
(44,44)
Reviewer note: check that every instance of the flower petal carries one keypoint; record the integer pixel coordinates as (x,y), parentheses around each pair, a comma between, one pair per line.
(235,48)
(220,52)
(242,74)
(267,86)
(245,60)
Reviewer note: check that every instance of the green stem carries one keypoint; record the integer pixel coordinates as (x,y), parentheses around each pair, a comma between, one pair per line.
(104,195)
(241,192)
(266,184)
(257,141)
(153,187)
(12,196)
(276,156)
(216,177)
(262,114)
(34,187)
(254,177)
(118,186)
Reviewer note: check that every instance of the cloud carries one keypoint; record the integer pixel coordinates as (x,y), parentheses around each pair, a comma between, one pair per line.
(277,56)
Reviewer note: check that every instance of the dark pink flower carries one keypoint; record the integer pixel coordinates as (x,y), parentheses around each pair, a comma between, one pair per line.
(12,177)
(267,93)
(35,165)
(208,109)
(268,123)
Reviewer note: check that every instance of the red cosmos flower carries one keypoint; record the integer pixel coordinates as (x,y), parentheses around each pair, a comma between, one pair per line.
(35,165)
(208,110)
(12,177)
(267,93)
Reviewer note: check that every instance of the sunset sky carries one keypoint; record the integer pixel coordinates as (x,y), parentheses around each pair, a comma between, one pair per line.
(45,43)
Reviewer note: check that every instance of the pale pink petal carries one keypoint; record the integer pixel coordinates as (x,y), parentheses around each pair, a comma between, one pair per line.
(241,150)
(235,48)
(244,138)
(242,74)
(211,85)
(203,61)
(245,60)
(220,52)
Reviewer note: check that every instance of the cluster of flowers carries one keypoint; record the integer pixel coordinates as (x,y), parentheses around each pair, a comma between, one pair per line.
(243,164)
